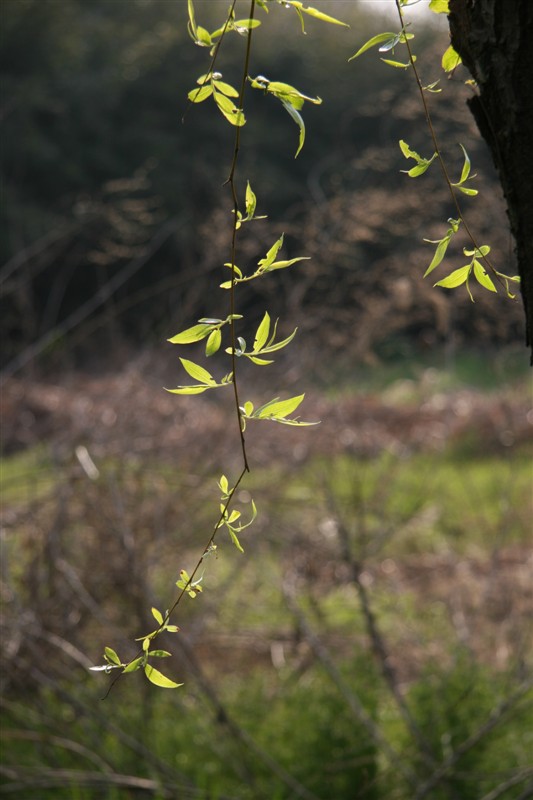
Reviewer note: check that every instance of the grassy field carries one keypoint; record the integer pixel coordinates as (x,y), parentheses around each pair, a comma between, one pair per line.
(373,641)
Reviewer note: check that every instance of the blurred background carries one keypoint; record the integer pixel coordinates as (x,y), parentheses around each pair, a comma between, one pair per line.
(374,641)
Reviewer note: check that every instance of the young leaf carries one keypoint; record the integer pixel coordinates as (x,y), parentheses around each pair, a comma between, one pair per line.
(262,332)
(455,278)
(482,276)
(159,679)
(225,88)
(381,37)
(235,539)
(451,59)
(439,6)
(112,657)
(398,64)
(194,334)
(134,665)
(157,616)
(213,342)
(279,408)
(197,372)
(297,117)
(313,12)
(200,94)
(250,201)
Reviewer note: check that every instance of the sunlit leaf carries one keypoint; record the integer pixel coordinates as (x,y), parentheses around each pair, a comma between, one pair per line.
(197,372)
(157,616)
(262,332)
(279,408)
(213,343)
(439,6)
(194,334)
(381,37)
(159,679)
(226,89)
(112,656)
(455,278)
(313,12)
(398,64)
(134,665)
(200,94)
(482,277)
(250,200)
(451,59)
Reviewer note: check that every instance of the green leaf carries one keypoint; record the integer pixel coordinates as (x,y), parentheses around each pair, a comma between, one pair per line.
(466,190)
(203,38)
(313,12)
(285,264)
(229,110)
(455,278)
(279,408)
(450,60)
(250,201)
(226,89)
(192,21)
(194,334)
(289,94)
(157,615)
(133,665)
(238,273)
(381,37)
(235,539)
(261,362)
(112,656)
(466,166)
(398,64)
(262,332)
(439,6)
(440,252)
(291,110)
(246,24)
(188,390)
(159,653)
(248,408)
(408,153)
(482,276)
(223,484)
(272,253)
(213,342)
(159,679)
(200,94)
(197,372)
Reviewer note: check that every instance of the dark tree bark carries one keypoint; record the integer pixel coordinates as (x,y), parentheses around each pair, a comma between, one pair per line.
(495,40)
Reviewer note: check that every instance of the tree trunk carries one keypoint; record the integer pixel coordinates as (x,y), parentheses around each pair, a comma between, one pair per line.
(495,40)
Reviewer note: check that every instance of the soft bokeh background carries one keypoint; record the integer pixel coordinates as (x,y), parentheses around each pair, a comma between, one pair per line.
(374,641)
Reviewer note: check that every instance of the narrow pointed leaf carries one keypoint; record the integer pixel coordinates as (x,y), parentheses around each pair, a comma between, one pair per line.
(157,615)
(280,408)
(112,656)
(159,679)
(194,334)
(381,37)
(134,665)
(313,12)
(455,278)
(197,372)
(250,200)
(213,343)
(262,332)
(482,276)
